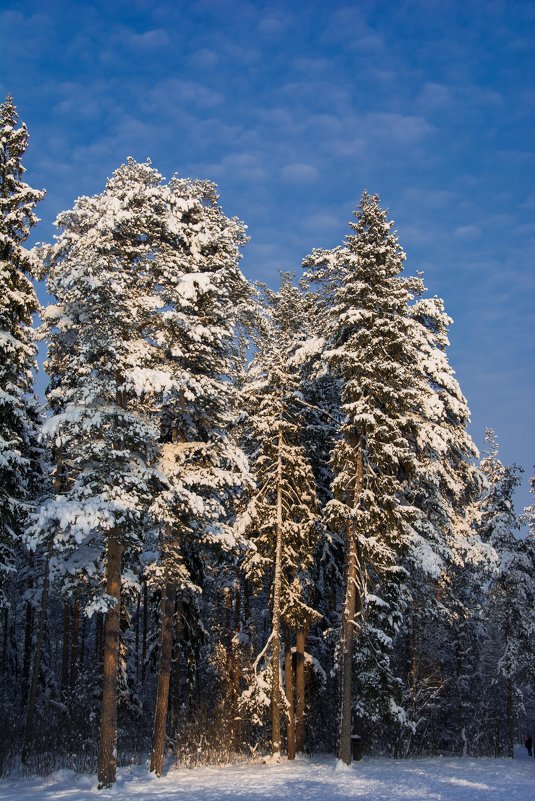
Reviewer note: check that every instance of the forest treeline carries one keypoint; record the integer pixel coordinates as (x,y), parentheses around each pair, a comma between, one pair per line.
(246,521)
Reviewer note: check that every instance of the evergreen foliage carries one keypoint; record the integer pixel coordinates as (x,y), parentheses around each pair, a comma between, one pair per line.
(20,469)
(263,505)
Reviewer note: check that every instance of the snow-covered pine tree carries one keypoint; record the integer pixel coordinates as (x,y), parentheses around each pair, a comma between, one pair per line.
(529,511)
(510,603)
(442,492)
(369,347)
(282,514)
(205,294)
(321,422)
(20,470)
(106,372)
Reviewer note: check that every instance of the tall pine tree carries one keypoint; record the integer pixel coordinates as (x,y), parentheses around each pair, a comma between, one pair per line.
(20,472)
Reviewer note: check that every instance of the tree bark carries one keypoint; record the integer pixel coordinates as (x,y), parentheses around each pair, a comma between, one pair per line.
(138,616)
(275,629)
(81,659)
(107,753)
(174,690)
(65,647)
(300,639)
(74,645)
(289,686)
(236,671)
(28,638)
(145,630)
(99,636)
(36,670)
(164,675)
(228,645)
(509,715)
(5,632)
(352,601)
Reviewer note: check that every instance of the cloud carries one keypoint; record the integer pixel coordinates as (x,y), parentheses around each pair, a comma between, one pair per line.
(467,232)
(299,173)
(406,129)
(273,24)
(178,92)
(429,198)
(146,40)
(244,167)
(313,65)
(203,58)
(435,96)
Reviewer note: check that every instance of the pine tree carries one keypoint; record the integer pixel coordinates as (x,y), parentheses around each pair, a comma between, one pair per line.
(443,550)
(369,347)
(205,295)
(511,595)
(105,375)
(20,471)
(283,511)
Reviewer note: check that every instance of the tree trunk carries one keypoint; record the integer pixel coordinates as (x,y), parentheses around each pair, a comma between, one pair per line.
(36,670)
(5,633)
(164,674)
(414,653)
(227,637)
(28,639)
(81,659)
(509,715)
(145,630)
(174,691)
(288,673)
(509,701)
(300,689)
(74,645)
(236,671)
(351,603)
(107,753)
(138,616)
(275,630)
(99,636)
(65,647)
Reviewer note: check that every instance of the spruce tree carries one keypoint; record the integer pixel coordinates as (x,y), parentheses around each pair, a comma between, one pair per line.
(369,347)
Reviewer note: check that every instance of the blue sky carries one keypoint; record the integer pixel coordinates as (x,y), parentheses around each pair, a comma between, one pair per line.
(293,109)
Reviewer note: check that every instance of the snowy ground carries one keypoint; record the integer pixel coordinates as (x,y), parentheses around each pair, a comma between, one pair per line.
(318,779)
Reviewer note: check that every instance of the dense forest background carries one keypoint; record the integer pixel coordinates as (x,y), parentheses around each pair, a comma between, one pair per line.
(247,521)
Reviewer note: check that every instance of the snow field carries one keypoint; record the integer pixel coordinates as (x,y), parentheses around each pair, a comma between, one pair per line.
(317,779)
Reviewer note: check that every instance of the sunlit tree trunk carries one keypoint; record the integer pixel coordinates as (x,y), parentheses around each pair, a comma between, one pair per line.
(351,603)
(300,639)
(164,676)
(289,687)
(107,754)
(276,625)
